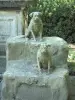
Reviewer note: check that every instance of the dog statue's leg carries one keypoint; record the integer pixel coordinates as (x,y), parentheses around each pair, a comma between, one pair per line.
(39,67)
(49,64)
(40,36)
(41,31)
(33,35)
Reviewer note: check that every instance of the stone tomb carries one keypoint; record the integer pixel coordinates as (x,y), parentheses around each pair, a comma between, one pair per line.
(13,22)
(13,17)
(22,80)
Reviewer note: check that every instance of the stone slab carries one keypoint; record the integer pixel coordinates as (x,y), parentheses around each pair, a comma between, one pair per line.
(22,80)
(30,85)
(20,48)
(15,3)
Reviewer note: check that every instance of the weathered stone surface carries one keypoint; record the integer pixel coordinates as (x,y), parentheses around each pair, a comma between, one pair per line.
(23,85)
(22,80)
(2,64)
(19,48)
(10,25)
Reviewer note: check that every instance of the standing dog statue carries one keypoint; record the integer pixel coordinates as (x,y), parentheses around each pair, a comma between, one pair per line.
(44,58)
(35,27)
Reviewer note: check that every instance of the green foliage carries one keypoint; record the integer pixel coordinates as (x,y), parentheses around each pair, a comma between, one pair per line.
(71,55)
(71,61)
(58,18)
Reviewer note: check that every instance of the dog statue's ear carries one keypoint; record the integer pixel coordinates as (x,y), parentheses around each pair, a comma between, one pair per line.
(31,14)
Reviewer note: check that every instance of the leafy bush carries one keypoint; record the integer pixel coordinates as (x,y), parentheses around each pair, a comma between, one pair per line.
(58,18)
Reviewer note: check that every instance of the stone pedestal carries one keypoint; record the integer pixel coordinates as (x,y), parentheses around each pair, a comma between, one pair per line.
(22,80)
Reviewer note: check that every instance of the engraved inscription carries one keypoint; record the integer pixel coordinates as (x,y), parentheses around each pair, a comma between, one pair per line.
(7,27)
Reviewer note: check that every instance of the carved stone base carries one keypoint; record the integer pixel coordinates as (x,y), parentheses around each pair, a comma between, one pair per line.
(22,80)
(21,85)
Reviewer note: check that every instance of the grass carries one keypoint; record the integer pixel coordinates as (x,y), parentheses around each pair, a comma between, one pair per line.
(71,55)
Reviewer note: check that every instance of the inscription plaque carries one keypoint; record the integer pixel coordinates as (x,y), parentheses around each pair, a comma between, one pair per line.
(7,27)
(9,24)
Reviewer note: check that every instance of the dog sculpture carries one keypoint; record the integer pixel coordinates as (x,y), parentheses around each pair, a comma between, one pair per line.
(35,27)
(44,60)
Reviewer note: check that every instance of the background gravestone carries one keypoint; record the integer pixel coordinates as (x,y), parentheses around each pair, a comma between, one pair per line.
(11,23)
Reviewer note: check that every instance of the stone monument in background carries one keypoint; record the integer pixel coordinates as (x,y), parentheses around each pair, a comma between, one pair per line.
(13,21)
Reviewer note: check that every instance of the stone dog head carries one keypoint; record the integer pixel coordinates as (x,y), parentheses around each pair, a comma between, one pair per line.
(35,16)
(45,48)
